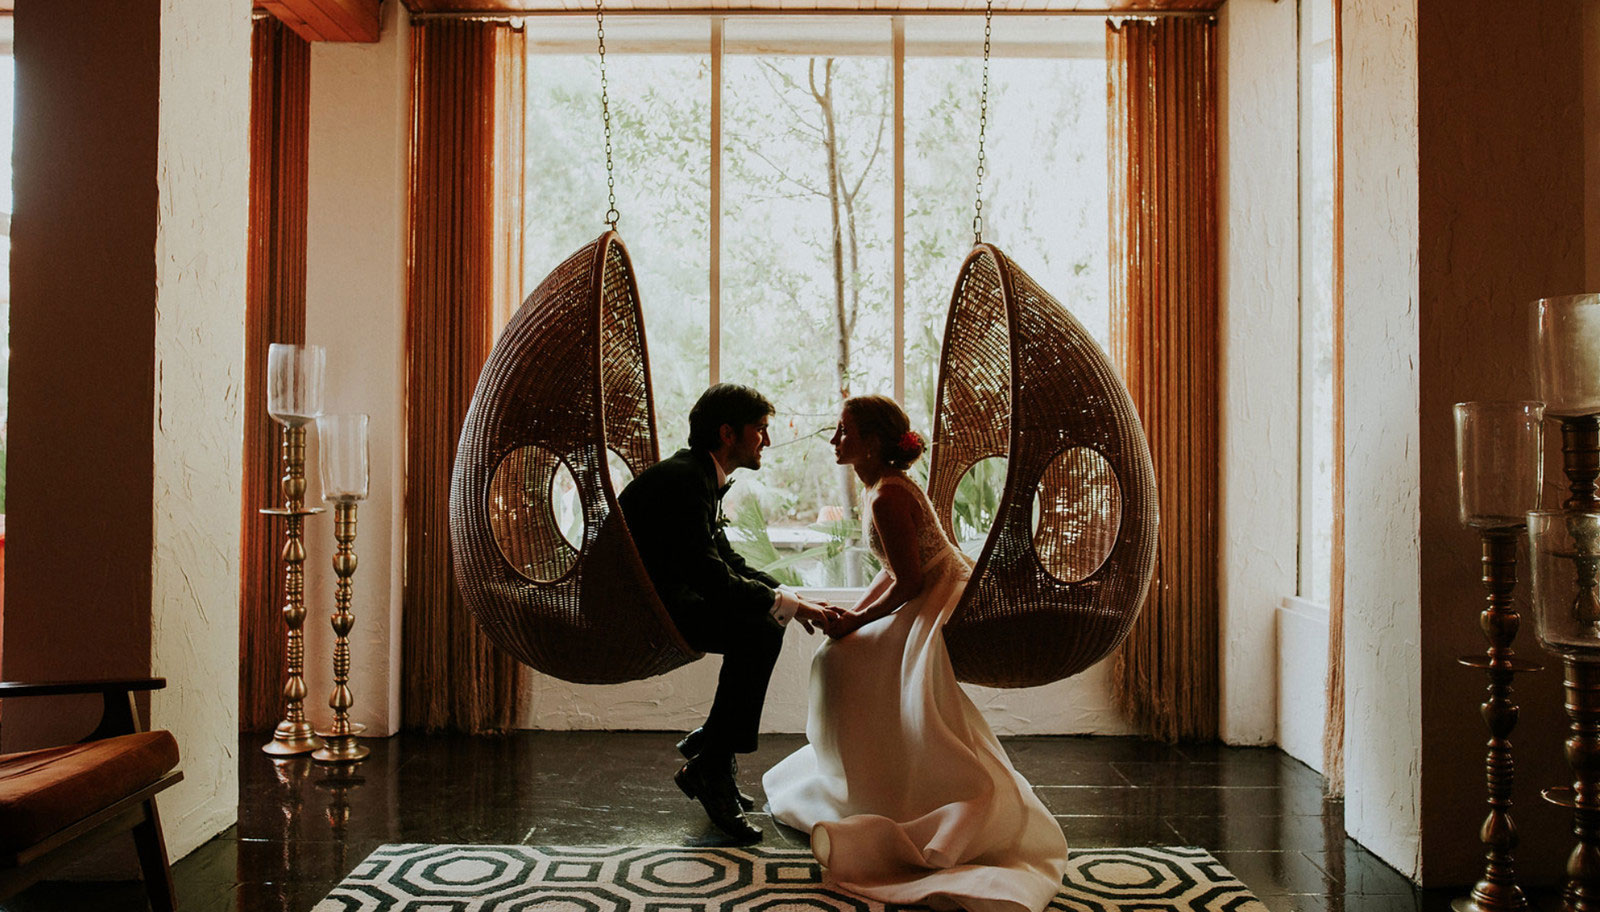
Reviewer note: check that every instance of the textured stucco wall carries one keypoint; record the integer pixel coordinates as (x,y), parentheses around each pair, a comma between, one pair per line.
(1502,189)
(1381,447)
(679,700)
(1260,333)
(202,175)
(355,307)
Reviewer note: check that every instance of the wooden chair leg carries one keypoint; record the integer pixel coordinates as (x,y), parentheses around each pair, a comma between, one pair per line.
(152,847)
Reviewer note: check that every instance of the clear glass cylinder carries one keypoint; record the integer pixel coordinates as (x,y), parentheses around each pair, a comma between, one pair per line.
(1569,354)
(1564,549)
(294,382)
(1499,461)
(342,456)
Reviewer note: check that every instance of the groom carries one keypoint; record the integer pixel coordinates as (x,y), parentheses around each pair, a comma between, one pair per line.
(719,603)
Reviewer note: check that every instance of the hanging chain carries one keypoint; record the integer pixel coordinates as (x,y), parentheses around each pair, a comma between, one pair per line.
(983,123)
(612,216)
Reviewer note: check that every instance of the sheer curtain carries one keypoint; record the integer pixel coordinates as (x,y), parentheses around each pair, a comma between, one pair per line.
(275,311)
(463,264)
(1162,83)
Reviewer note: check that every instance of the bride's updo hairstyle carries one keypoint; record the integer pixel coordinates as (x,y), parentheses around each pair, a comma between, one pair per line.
(882,419)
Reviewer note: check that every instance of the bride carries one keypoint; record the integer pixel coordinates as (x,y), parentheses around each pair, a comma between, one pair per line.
(907,795)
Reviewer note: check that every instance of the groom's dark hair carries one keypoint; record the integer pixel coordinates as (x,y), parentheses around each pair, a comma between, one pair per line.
(725,403)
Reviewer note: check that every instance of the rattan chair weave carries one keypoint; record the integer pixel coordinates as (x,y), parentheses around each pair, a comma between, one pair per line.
(1020,378)
(568,380)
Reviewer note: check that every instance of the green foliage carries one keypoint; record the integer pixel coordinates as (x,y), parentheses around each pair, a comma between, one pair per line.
(977,500)
(818,565)
(756,546)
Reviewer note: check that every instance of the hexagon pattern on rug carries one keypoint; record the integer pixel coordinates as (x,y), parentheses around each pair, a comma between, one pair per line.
(514,878)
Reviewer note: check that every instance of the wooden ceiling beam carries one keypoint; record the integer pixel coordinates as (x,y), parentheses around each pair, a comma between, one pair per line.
(327,20)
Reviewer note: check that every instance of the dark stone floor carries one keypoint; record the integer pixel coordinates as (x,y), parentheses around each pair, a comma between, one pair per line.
(303,825)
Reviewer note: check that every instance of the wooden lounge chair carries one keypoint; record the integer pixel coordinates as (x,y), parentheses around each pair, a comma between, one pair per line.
(57,802)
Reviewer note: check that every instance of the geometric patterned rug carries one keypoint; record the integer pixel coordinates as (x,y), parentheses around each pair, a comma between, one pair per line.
(514,878)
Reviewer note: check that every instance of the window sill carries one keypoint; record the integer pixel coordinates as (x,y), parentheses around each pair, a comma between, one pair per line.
(1305,607)
(844,598)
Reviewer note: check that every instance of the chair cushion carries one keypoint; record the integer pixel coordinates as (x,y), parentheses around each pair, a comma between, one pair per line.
(42,791)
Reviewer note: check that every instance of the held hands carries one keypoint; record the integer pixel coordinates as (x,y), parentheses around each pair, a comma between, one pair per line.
(834,621)
(843,622)
(813,614)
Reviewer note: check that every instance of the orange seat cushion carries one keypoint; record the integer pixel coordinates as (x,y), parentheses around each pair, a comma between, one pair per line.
(42,791)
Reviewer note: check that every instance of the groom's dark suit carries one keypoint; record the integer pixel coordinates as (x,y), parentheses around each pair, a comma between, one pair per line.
(719,602)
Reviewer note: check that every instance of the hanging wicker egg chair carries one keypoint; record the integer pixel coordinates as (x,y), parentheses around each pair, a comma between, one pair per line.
(567,384)
(1068,560)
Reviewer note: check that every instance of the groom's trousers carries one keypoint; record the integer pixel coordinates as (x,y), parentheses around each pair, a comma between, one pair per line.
(749,644)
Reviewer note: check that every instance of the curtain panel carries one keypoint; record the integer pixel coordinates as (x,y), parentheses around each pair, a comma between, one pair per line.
(1162,89)
(275,311)
(465,221)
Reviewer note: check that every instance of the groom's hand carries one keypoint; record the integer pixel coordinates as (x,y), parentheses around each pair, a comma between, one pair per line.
(808,614)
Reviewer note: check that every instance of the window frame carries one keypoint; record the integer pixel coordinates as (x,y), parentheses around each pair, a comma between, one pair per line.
(917,35)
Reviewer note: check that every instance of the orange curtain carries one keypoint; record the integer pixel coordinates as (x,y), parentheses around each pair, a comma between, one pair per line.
(1333,727)
(1162,85)
(466,109)
(275,311)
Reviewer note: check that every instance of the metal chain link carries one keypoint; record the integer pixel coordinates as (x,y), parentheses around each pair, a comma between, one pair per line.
(612,215)
(983,124)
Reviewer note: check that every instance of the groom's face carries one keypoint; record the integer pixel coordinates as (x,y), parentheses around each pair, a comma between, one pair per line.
(745,448)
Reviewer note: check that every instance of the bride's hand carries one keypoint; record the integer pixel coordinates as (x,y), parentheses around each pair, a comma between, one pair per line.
(843,623)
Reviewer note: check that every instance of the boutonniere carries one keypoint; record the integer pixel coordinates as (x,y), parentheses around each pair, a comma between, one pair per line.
(720,524)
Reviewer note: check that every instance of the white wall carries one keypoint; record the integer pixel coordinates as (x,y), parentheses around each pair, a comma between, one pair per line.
(679,700)
(355,307)
(203,183)
(1302,680)
(1260,337)
(1383,750)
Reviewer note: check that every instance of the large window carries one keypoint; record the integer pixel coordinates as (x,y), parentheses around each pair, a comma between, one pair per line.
(1317,415)
(814,288)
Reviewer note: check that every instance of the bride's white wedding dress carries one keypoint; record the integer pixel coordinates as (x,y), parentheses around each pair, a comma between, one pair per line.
(908,796)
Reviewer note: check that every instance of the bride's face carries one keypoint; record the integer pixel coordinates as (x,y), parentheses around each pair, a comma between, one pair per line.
(849,446)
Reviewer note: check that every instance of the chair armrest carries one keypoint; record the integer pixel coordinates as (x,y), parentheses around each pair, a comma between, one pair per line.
(118,715)
(58,688)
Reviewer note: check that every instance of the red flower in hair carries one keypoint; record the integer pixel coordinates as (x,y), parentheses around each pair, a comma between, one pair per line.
(911,441)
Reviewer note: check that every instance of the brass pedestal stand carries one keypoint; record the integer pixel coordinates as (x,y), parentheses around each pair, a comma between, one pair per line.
(293,735)
(1580,450)
(1497,890)
(1582,892)
(341,745)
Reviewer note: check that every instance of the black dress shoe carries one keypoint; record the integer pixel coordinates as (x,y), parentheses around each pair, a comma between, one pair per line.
(711,784)
(690,748)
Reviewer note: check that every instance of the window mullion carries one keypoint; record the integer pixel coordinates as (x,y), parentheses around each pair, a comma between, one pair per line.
(715,219)
(898,74)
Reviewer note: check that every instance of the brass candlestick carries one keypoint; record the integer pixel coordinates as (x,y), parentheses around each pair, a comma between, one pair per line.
(1497,890)
(1582,684)
(343,460)
(1579,645)
(341,744)
(293,734)
(1499,470)
(1580,460)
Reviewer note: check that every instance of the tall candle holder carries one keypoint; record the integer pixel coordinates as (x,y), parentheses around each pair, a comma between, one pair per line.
(343,460)
(1499,469)
(294,399)
(1565,548)
(1565,552)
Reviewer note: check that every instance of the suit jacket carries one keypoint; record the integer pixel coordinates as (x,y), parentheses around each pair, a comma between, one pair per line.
(671,509)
